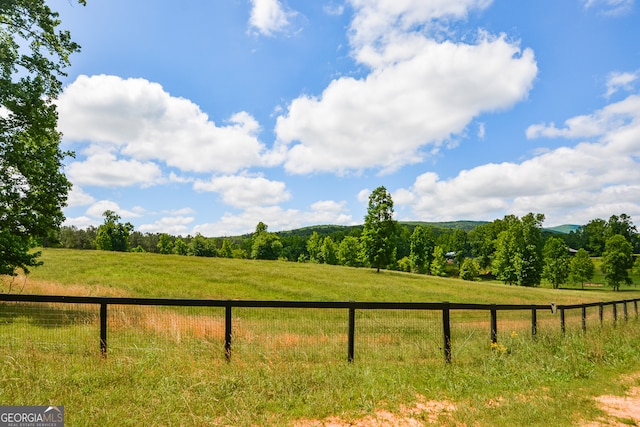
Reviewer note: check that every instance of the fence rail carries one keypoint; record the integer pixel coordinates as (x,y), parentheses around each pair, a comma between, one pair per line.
(445,308)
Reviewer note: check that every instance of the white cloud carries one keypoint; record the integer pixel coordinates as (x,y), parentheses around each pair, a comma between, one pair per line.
(81,222)
(377,20)
(77,197)
(568,184)
(246,191)
(389,118)
(617,81)
(97,209)
(102,168)
(146,123)
(613,116)
(269,17)
(333,9)
(610,7)
(174,225)
(180,212)
(277,218)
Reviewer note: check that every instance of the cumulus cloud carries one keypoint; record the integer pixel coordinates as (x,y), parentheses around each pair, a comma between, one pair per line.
(98,208)
(420,91)
(77,197)
(387,119)
(609,119)
(277,218)
(269,17)
(246,191)
(590,180)
(142,121)
(103,168)
(376,21)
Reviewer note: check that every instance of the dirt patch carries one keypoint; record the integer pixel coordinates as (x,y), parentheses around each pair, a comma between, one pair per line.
(621,410)
(424,412)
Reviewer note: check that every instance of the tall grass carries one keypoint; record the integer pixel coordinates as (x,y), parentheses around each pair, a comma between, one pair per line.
(525,382)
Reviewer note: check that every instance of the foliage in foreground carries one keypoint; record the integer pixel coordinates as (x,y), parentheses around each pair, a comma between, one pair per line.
(33,188)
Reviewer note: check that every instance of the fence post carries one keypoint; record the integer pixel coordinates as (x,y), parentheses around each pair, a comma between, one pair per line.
(601,313)
(615,313)
(352,333)
(103,329)
(534,322)
(227,332)
(494,324)
(635,306)
(562,325)
(584,319)
(624,308)
(446,332)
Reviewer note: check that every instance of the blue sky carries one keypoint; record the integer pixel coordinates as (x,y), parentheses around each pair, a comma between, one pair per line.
(210,116)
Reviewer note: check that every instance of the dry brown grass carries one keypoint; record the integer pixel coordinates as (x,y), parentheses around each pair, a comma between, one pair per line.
(28,285)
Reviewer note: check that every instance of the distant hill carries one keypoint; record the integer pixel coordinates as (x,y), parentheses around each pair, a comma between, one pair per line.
(462,225)
(563,229)
(465,225)
(348,229)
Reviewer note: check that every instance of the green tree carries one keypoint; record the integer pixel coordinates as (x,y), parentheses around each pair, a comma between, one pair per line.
(265,245)
(226,251)
(518,255)
(594,235)
(329,251)
(556,261)
(531,263)
(503,265)
(112,234)
(314,247)
(165,245)
(636,266)
(379,228)
(470,269)
(482,240)
(180,247)
(422,244)
(201,246)
(581,267)
(439,262)
(620,225)
(404,264)
(33,189)
(617,259)
(459,245)
(349,251)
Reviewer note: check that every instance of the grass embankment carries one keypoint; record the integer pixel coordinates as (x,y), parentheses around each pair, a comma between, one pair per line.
(172,276)
(188,382)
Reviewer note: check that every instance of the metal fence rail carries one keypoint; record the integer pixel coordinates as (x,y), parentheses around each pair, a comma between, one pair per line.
(622,309)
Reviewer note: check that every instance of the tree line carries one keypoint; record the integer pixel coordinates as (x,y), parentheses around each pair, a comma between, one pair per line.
(514,250)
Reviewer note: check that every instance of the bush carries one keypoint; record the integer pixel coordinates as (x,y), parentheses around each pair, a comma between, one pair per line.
(470,269)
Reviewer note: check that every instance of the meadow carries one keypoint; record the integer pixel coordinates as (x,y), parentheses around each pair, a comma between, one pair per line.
(289,367)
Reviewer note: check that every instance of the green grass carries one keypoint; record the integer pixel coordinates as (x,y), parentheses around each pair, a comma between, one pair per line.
(153,275)
(167,366)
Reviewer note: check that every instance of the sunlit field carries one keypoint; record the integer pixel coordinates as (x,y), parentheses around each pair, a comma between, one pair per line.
(167,366)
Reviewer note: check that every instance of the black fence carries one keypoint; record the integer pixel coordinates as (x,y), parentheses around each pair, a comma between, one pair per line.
(613,311)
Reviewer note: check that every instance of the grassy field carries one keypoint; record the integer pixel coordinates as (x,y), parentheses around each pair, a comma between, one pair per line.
(167,367)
